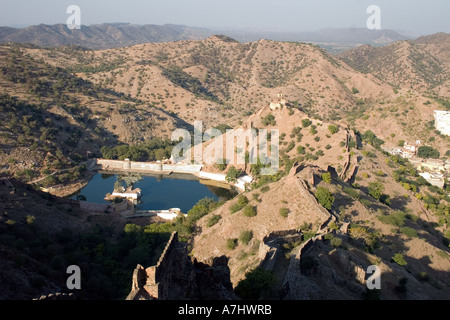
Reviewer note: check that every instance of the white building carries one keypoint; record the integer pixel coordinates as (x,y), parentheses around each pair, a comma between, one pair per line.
(442,121)
(434,179)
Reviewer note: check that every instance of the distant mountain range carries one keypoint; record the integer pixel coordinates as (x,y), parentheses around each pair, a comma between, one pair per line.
(330,35)
(114,35)
(102,36)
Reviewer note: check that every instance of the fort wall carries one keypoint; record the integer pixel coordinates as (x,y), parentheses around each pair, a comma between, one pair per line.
(151,167)
(146,283)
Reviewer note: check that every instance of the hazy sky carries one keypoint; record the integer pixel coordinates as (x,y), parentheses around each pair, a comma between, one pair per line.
(418,16)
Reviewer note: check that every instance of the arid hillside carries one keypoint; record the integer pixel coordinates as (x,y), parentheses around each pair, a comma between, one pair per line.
(337,204)
(222,82)
(219,78)
(54,120)
(420,64)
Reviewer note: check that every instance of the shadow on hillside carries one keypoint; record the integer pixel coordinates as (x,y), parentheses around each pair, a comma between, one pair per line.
(399,203)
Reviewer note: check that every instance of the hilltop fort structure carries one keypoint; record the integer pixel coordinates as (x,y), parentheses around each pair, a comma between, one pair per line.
(280,104)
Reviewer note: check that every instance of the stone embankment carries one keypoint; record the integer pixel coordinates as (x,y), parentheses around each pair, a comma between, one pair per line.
(149,167)
(168,168)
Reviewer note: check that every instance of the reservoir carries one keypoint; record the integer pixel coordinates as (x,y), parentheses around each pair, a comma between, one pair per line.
(159,192)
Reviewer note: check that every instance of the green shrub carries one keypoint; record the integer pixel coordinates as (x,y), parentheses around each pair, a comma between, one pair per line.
(30,219)
(326,177)
(306,123)
(336,242)
(333,226)
(428,152)
(284,212)
(324,197)
(235,208)
(213,220)
(396,219)
(245,237)
(242,200)
(376,189)
(265,189)
(269,120)
(333,128)
(233,174)
(409,232)
(399,259)
(231,244)
(249,211)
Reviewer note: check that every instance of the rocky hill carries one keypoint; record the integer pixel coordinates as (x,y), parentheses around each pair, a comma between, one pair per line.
(54,120)
(221,81)
(337,204)
(421,64)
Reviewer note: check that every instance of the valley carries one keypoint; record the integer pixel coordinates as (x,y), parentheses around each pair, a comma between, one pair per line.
(337,203)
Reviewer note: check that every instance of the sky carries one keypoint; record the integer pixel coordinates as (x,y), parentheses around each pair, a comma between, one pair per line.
(417,16)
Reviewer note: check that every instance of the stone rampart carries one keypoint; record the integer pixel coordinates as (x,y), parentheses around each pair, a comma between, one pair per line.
(147,282)
(150,167)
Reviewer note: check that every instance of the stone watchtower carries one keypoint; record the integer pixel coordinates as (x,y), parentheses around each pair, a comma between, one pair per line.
(279,104)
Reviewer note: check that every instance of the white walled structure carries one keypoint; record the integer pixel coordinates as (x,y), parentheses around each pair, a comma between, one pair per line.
(442,121)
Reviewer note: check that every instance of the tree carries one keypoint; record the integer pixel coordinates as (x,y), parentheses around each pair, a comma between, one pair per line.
(249,211)
(399,259)
(428,152)
(301,150)
(222,165)
(324,197)
(231,244)
(326,177)
(233,174)
(306,123)
(376,189)
(284,212)
(333,128)
(269,120)
(245,237)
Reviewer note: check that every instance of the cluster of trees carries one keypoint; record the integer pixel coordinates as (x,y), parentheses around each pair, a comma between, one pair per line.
(106,257)
(155,149)
(269,120)
(428,152)
(376,189)
(372,139)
